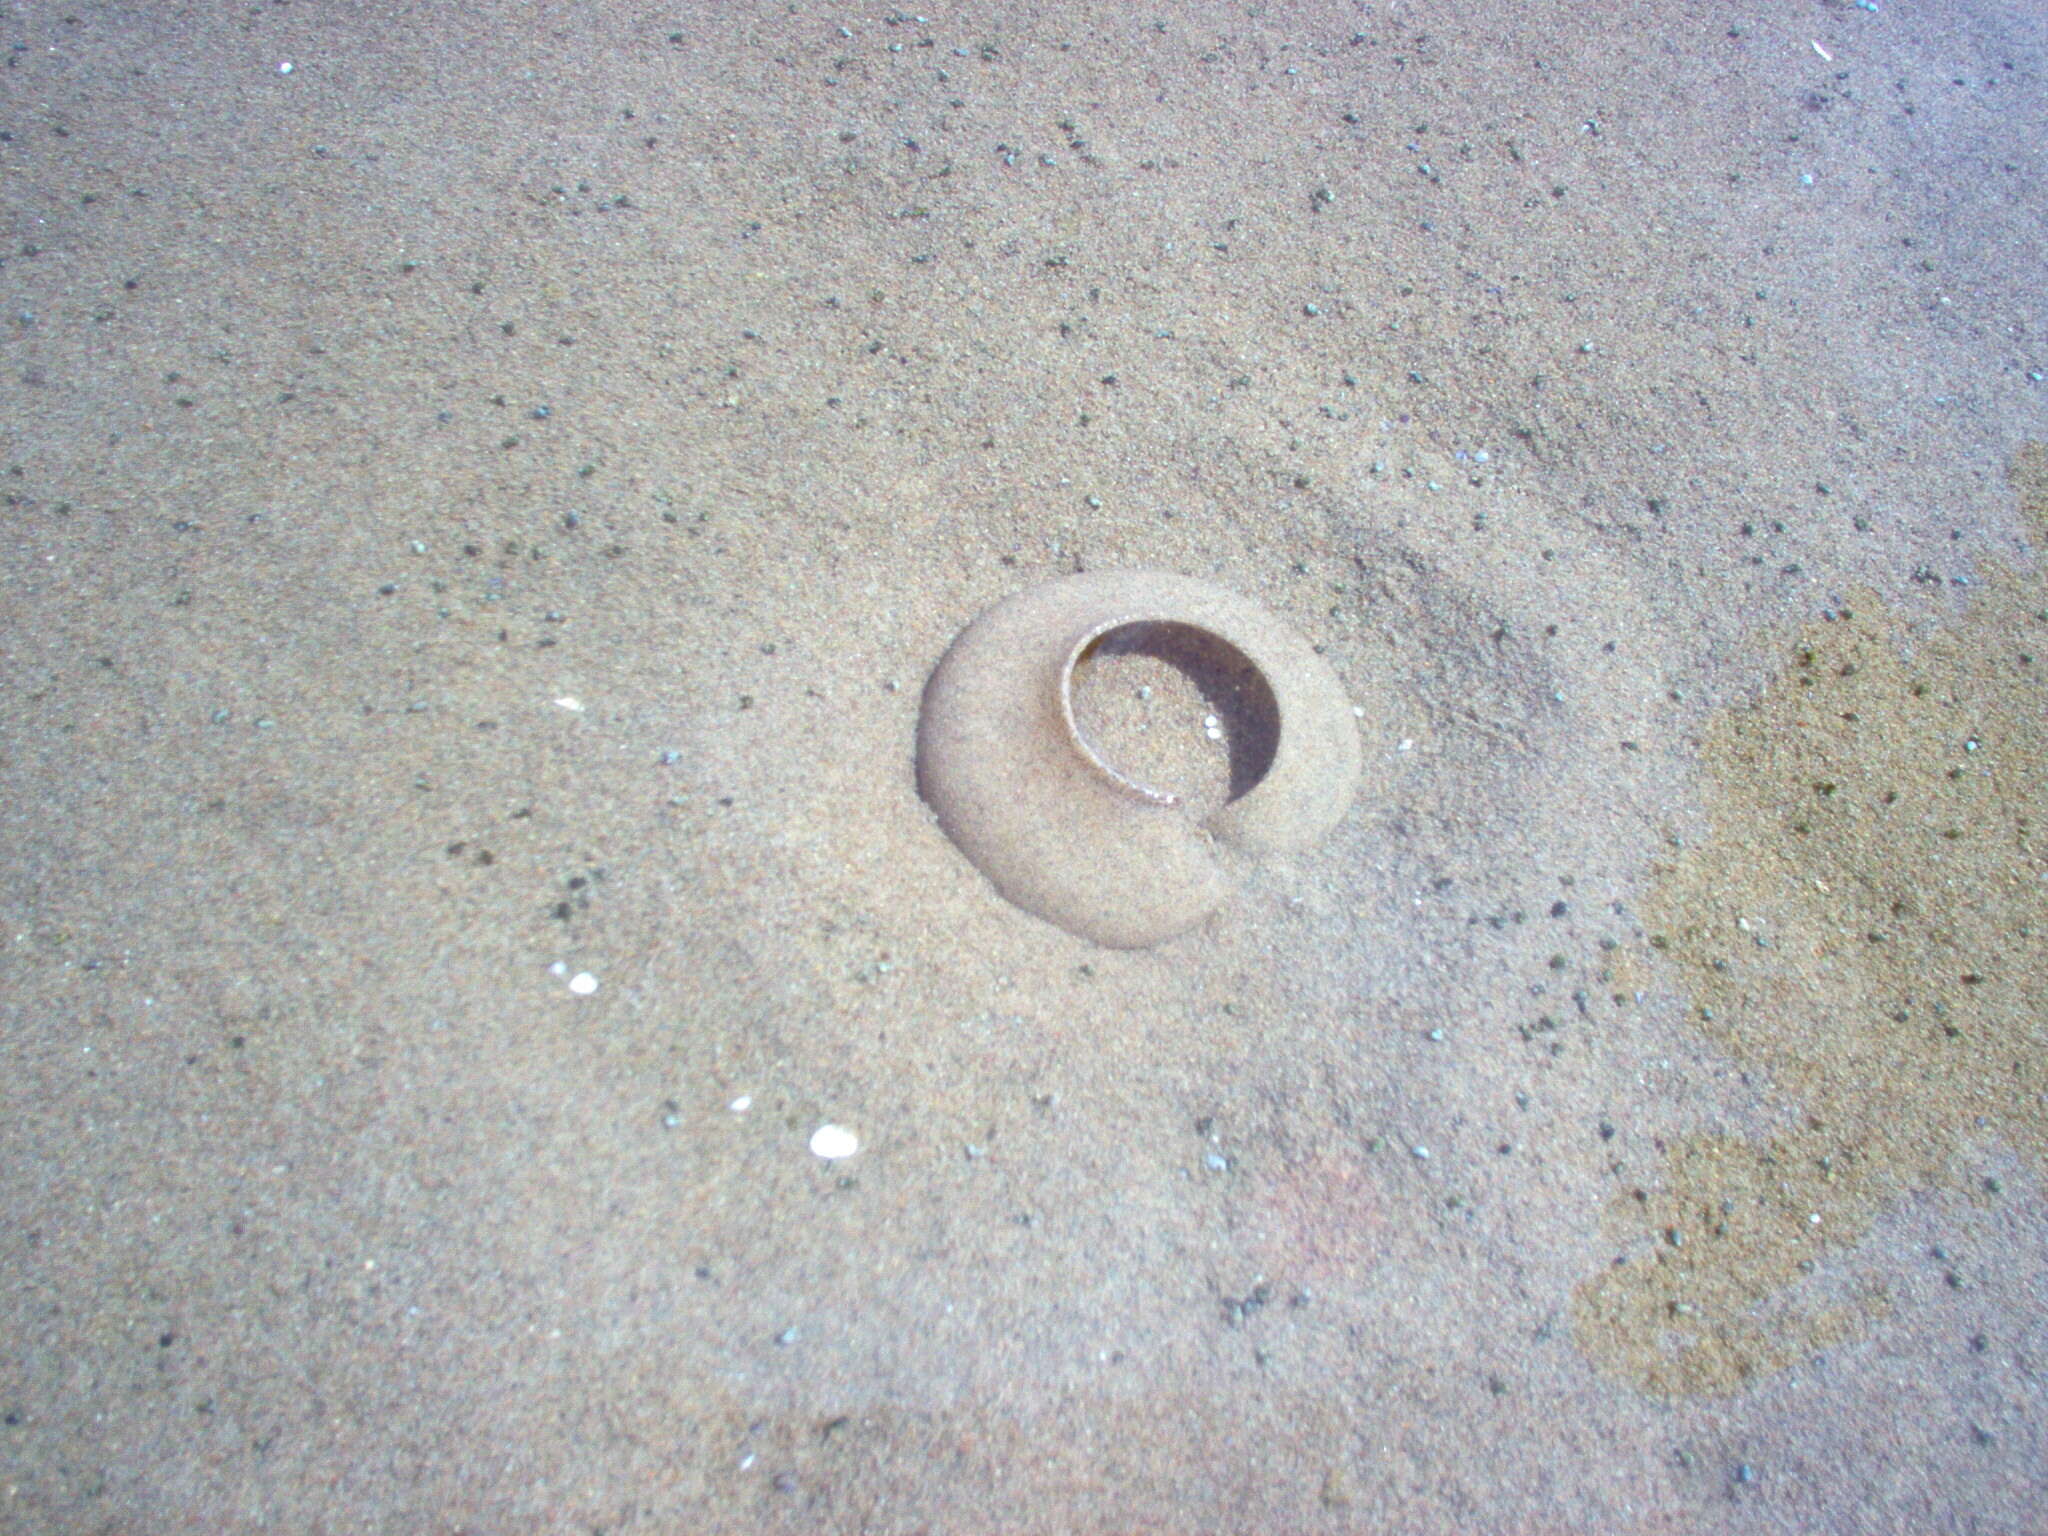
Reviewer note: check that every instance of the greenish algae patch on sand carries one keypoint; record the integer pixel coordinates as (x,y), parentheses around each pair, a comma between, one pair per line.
(1867,926)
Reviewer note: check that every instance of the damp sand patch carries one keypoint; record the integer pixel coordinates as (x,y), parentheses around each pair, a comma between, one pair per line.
(1866,925)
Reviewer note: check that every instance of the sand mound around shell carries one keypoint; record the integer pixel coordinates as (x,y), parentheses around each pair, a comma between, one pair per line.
(1066,833)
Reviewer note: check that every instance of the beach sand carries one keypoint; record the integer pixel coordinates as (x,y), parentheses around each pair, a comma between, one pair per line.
(485,487)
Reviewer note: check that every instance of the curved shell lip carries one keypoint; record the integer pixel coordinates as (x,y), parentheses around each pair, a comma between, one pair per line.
(1122,782)
(1055,826)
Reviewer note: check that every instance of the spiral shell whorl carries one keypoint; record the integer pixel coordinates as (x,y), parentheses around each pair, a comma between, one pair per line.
(1061,832)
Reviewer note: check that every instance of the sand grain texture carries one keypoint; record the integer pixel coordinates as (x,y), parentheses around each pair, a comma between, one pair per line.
(482,508)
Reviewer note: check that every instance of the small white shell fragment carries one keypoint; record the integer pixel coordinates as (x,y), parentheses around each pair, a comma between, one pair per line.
(285,68)
(742,1104)
(583,983)
(570,703)
(559,968)
(834,1141)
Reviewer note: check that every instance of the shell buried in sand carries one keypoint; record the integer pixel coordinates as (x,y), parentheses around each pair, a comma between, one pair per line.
(1061,831)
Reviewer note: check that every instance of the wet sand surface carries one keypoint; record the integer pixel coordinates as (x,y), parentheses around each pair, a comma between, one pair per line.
(483,502)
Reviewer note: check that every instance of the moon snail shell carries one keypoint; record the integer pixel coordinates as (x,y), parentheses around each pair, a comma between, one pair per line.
(1059,830)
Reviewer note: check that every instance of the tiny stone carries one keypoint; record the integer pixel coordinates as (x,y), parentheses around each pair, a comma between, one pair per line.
(832,1142)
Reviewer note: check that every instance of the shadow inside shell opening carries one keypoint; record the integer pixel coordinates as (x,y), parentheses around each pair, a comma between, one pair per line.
(1177,708)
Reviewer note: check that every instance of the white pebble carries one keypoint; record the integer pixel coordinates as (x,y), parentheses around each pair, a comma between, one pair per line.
(574,705)
(285,68)
(743,1103)
(583,983)
(834,1141)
